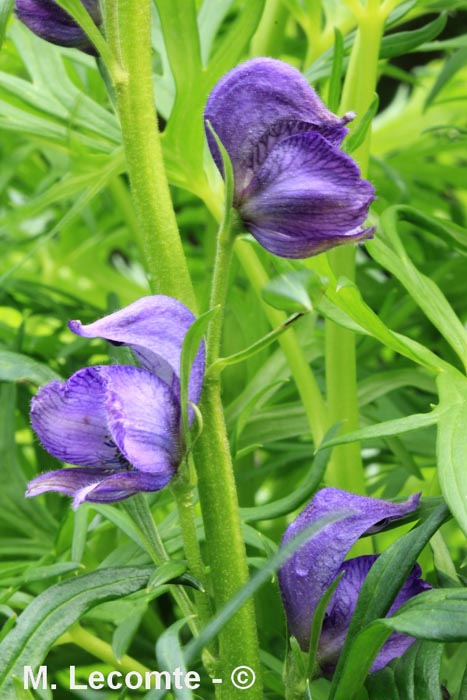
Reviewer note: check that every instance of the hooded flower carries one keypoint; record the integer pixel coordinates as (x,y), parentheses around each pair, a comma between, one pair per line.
(295,190)
(120,425)
(52,23)
(307,575)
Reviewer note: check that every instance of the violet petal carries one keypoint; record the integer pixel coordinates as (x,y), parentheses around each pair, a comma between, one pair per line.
(154,327)
(70,420)
(68,481)
(143,415)
(342,607)
(253,97)
(117,487)
(307,197)
(306,576)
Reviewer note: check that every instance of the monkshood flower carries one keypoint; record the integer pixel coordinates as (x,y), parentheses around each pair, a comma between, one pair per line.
(52,23)
(120,425)
(295,190)
(307,575)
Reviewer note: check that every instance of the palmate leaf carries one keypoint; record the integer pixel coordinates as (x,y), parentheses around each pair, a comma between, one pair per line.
(52,613)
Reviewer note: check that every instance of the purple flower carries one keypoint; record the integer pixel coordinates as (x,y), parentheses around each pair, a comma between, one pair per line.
(49,21)
(307,575)
(120,425)
(295,190)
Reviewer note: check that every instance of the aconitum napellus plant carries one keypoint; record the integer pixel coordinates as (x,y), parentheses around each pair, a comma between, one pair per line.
(52,23)
(120,425)
(296,191)
(306,576)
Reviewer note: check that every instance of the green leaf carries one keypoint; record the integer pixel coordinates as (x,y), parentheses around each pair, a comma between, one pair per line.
(210,18)
(228,175)
(389,251)
(78,11)
(15,367)
(382,684)
(165,573)
(403,42)
(179,25)
(453,64)
(317,624)
(6,9)
(237,37)
(190,347)
(52,613)
(397,426)
(170,656)
(40,573)
(126,630)
(463,688)
(298,291)
(438,615)
(253,349)
(426,670)
(335,80)
(300,495)
(356,138)
(452,444)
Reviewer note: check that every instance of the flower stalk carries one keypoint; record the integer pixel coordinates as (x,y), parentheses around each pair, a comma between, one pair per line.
(238,643)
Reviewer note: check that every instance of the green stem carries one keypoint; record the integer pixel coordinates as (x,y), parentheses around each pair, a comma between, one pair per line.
(101,650)
(238,643)
(183,491)
(269,37)
(138,508)
(346,468)
(302,373)
(128,31)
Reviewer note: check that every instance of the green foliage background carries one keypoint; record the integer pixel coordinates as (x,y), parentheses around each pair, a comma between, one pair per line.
(70,248)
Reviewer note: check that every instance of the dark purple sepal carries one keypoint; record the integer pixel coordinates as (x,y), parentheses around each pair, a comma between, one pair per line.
(306,576)
(49,21)
(342,607)
(307,197)
(251,100)
(296,192)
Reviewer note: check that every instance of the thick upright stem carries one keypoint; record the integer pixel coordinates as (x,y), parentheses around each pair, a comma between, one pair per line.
(128,26)
(238,643)
(346,469)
